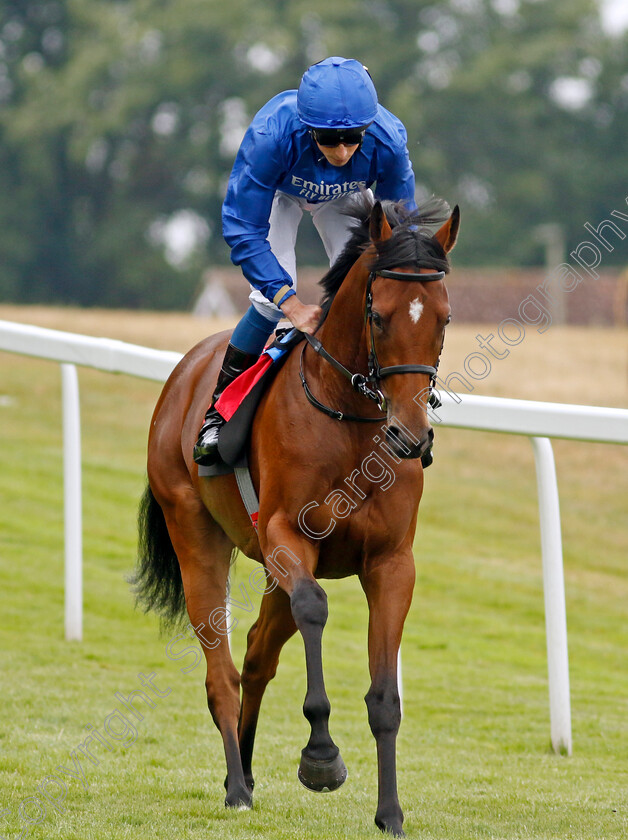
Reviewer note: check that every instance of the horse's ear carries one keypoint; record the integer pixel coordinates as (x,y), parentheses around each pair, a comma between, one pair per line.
(379,228)
(448,234)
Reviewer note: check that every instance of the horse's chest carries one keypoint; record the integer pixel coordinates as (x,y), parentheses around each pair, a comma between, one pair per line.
(368,530)
(333,564)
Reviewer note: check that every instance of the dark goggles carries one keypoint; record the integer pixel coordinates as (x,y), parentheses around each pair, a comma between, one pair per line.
(335,136)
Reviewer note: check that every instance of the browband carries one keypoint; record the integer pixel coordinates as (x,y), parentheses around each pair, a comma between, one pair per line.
(406,275)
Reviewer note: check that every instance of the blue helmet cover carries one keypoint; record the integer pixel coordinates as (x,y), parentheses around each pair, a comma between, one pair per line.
(337,93)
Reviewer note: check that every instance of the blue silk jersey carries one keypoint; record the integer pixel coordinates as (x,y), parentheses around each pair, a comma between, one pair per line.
(278,153)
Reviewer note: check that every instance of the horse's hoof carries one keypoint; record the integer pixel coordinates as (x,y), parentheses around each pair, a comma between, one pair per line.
(394,832)
(390,823)
(322,776)
(239,800)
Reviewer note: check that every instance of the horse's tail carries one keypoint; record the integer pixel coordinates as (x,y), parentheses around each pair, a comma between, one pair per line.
(157,579)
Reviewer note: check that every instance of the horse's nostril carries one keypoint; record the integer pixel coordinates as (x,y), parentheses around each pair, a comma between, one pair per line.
(405,445)
(397,442)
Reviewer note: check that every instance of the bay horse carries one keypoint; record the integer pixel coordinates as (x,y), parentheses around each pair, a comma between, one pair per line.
(324,511)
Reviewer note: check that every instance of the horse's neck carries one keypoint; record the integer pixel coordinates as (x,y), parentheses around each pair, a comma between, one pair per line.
(343,337)
(343,333)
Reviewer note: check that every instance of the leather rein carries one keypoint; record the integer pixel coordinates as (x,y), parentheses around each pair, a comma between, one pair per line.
(368,385)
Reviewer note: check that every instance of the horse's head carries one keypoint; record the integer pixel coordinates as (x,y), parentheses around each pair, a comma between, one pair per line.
(407,310)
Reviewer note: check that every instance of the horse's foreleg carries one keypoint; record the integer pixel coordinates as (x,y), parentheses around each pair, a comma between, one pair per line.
(266,637)
(204,554)
(388,586)
(292,561)
(321,767)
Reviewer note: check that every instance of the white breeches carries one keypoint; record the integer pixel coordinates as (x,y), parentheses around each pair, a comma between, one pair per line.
(333,226)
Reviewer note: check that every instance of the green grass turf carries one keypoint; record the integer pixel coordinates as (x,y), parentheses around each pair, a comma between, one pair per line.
(473,755)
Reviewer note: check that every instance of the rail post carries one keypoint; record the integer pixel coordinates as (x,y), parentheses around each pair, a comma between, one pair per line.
(72,504)
(554,596)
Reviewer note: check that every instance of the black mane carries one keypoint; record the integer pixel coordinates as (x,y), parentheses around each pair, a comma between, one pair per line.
(411,246)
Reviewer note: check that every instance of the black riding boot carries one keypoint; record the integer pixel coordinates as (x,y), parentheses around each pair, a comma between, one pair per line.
(206,447)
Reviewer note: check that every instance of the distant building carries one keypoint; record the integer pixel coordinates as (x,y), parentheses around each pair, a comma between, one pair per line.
(214,301)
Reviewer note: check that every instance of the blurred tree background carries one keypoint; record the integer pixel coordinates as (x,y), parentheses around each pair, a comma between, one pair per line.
(119,122)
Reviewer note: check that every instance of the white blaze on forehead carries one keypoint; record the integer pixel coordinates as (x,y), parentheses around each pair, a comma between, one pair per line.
(416,308)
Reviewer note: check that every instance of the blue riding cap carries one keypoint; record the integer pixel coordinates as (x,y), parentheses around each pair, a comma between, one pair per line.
(337,93)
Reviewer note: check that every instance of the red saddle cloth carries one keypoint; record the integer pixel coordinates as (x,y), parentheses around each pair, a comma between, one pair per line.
(233,395)
(238,402)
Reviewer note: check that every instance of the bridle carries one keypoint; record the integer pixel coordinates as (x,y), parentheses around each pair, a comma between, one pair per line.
(368,385)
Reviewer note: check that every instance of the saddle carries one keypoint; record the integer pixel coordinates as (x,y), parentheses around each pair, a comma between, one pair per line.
(239,401)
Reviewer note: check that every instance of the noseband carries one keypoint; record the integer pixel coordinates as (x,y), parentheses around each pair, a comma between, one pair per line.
(368,385)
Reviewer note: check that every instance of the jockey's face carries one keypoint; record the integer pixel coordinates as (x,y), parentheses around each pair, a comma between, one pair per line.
(338,155)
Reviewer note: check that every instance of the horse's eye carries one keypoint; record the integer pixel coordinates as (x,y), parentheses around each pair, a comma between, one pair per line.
(448,321)
(377,320)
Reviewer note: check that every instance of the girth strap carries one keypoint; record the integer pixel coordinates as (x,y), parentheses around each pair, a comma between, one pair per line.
(247,490)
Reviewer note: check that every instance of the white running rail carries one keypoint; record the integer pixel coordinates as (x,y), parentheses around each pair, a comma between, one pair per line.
(537,420)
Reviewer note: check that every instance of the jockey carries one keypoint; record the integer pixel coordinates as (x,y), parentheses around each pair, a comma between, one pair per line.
(307,149)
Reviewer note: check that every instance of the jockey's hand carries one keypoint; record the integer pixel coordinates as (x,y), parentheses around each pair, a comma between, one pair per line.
(304,316)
